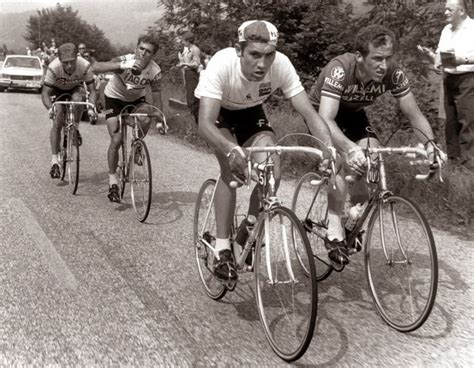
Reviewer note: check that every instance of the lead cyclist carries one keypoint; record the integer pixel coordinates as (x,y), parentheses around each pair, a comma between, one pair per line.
(232,90)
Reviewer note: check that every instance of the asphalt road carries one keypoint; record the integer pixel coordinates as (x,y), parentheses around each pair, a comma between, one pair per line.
(84,284)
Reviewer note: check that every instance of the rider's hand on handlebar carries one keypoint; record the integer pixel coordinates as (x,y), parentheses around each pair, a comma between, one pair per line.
(51,113)
(329,158)
(435,152)
(92,114)
(356,160)
(238,164)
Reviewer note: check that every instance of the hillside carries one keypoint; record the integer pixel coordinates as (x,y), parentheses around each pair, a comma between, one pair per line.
(121,21)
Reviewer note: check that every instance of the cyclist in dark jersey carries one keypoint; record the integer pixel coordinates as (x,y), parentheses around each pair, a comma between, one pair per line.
(345,86)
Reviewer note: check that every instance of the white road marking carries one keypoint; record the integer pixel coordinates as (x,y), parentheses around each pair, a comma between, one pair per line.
(51,257)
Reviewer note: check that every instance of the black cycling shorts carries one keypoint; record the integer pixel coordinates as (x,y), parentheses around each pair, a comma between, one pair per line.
(354,125)
(114,106)
(244,123)
(66,95)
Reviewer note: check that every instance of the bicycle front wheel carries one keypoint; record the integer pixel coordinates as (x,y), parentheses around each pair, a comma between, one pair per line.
(205,234)
(401,263)
(140,180)
(286,286)
(63,153)
(72,160)
(310,205)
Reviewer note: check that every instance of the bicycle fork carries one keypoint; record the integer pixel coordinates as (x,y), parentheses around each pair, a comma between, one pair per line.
(273,278)
(389,257)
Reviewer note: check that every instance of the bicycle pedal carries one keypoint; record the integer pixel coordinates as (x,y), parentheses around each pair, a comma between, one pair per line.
(230,285)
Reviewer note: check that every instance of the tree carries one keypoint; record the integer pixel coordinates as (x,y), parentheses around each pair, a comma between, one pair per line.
(64,25)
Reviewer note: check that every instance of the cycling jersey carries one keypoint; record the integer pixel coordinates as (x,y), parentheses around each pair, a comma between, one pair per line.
(223,80)
(338,80)
(128,87)
(57,78)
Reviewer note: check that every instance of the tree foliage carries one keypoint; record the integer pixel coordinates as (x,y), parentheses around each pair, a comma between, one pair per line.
(65,25)
(313,32)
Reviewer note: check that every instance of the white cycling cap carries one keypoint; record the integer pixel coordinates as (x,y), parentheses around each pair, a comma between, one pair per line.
(258,31)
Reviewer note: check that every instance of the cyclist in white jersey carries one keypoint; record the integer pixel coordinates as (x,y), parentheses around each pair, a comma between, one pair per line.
(134,73)
(231,91)
(64,78)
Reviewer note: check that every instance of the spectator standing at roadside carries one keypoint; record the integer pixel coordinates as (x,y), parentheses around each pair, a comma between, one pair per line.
(85,53)
(456,54)
(189,60)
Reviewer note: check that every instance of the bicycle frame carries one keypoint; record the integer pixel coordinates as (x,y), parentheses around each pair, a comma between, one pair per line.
(268,200)
(376,174)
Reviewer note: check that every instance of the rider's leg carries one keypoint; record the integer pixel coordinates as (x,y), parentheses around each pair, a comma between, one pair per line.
(359,191)
(55,132)
(262,139)
(225,198)
(78,96)
(112,152)
(224,205)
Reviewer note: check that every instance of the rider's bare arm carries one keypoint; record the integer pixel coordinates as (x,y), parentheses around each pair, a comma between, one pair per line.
(417,120)
(113,65)
(328,109)
(208,113)
(46,96)
(92,92)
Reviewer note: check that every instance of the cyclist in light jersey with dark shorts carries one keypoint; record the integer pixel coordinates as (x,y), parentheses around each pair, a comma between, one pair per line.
(64,77)
(231,91)
(344,87)
(134,73)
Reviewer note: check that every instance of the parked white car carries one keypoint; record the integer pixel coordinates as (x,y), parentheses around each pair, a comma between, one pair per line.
(21,72)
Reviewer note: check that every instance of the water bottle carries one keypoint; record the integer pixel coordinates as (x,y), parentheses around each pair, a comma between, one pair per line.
(354,214)
(245,228)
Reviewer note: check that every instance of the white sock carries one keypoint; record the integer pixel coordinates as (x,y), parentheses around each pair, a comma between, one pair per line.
(221,244)
(54,159)
(113,179)
(335,229)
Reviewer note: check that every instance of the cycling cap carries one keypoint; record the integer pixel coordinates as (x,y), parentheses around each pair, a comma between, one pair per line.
(67,52)
(258,31)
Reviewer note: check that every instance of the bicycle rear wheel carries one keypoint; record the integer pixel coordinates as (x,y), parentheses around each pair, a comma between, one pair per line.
(311,207)
(72,159)
(140,179)
(401,263)
(286,286)
(205,232)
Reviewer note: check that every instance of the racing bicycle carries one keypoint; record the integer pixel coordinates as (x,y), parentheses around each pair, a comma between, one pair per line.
(400,254)
(69,157)
(286,286)
(135,167)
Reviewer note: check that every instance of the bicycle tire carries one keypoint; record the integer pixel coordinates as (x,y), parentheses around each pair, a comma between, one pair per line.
(63,154)
(310,206)
(214,288)
(141,182)
(123,171)
(398,223)
(72,160)
(287,306)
